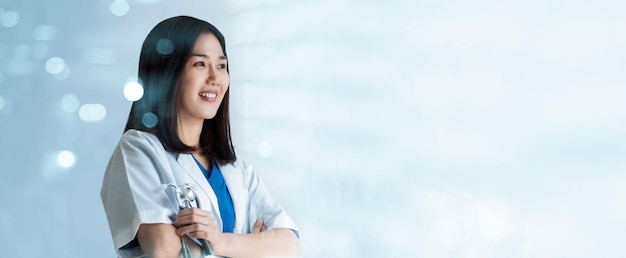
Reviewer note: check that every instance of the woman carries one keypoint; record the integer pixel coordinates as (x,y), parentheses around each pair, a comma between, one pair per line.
(179,133)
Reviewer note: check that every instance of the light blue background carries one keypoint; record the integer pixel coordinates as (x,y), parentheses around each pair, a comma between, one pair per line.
(386,128)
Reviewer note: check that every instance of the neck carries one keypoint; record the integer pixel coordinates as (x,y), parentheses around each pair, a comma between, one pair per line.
(189,134)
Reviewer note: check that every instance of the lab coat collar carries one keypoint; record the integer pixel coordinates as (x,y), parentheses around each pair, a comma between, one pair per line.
(235,184)
(202,184)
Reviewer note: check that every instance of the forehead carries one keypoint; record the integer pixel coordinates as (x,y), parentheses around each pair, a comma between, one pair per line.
(207,44)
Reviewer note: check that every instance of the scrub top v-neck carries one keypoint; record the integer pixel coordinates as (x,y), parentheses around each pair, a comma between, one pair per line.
(224,201)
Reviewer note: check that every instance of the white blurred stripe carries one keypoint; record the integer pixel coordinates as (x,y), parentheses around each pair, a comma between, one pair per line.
(101,56)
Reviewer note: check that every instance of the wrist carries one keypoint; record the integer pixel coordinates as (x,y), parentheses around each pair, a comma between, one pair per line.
(224,244)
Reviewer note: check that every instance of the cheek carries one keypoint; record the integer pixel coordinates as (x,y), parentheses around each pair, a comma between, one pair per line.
(224,90)
(226,82)
(183,85)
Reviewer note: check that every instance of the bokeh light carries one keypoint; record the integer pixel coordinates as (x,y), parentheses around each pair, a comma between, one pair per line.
(264,149)
(103,7)
(165,46)
(63,74)
(101,56)
(55,65)
(66,159)
(92,112)
(133,91)
(10,19)
(147,1)
(44,32)
(70,103)
(6,106)
(149,120)
(119,7)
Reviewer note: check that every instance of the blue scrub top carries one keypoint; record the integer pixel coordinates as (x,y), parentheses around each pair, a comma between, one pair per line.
(224,201)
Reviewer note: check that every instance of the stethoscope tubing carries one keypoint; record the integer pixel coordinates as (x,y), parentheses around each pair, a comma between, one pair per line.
(186,198)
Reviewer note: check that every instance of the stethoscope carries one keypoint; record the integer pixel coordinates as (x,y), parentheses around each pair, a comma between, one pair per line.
(186,198)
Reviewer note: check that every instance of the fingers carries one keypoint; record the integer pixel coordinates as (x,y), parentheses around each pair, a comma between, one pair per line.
(198,231)
(193,216)
(259,226)
(195,223)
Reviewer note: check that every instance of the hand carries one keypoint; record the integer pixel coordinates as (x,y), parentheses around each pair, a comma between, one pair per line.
(199,224)
(259,226)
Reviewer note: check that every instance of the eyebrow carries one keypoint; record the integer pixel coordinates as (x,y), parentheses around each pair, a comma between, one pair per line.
(207,56)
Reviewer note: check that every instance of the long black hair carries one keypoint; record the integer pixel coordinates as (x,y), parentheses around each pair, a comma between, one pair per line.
(163,56)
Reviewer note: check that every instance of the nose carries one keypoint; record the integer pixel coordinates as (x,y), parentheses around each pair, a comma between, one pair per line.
(211,76)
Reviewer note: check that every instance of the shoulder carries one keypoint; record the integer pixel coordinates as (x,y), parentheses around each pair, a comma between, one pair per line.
(134,137)
(240,167)
(135,141)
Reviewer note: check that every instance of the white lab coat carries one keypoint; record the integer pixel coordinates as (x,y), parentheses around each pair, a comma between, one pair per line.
(134,190)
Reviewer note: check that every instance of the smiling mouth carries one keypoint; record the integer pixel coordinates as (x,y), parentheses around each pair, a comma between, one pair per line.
(208,95)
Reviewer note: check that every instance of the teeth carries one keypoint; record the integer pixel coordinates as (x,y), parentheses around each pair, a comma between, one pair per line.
(208,95)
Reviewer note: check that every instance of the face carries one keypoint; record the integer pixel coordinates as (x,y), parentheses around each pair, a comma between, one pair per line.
(204,81)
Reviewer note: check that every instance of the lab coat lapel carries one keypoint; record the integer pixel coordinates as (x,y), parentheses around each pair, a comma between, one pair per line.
(201,183)
(235,184)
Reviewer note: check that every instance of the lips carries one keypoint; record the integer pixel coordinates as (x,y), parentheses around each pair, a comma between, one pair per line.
(210,95)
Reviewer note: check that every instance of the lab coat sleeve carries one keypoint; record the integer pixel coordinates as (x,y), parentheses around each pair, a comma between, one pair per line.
(264,205)
(132,190)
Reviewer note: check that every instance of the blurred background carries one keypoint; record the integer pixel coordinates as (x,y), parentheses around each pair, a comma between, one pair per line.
(386,128)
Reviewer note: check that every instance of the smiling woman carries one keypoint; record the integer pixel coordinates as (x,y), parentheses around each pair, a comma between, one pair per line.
(186,144)
(203,81)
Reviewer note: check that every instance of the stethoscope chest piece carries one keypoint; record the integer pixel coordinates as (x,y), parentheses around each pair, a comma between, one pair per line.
(186,198)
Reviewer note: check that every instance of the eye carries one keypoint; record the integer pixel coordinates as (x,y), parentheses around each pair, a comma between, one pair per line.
(221,66)
(199,63)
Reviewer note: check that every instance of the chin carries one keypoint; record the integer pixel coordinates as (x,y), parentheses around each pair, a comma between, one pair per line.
(210,116)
